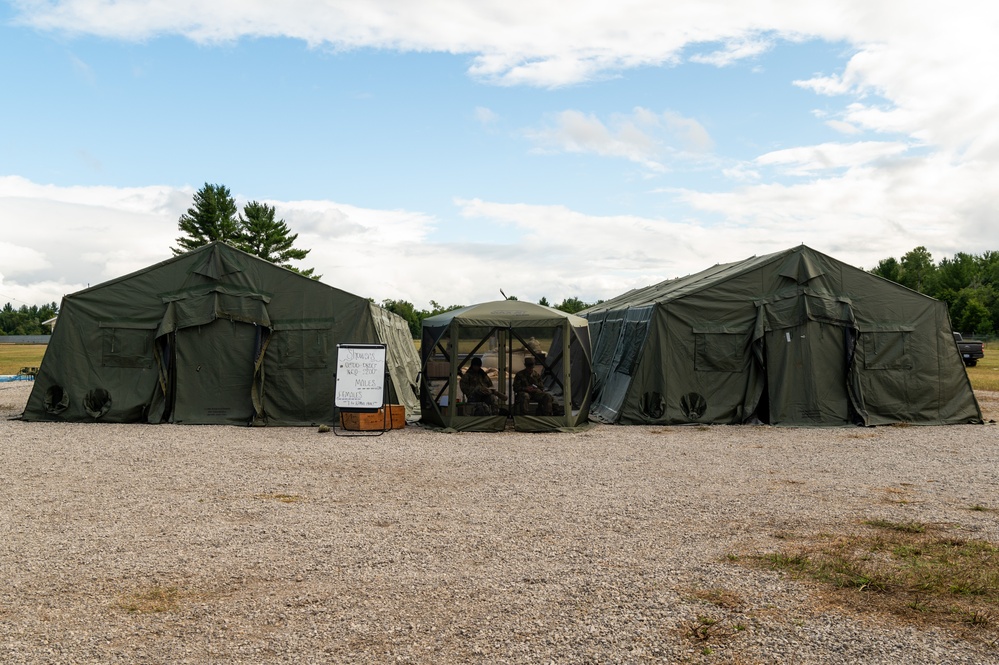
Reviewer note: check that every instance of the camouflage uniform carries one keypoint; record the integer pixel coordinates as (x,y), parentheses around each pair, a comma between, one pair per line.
(528,388)
(478,389)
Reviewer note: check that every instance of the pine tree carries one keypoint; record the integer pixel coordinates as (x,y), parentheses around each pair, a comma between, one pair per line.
(211,218)
(262,235)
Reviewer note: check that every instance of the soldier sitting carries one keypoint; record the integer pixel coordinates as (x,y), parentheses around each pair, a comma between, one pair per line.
(528,387)
(478,390)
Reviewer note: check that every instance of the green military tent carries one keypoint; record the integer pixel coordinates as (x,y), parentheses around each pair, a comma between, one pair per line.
(503,334)
(793,338)
(213,336)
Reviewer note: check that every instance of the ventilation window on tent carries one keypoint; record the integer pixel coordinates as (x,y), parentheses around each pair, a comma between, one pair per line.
(127,347)
(302,349)
(653,405)
(693,406)
(720,352)
(886,350)
(56,400)
(97,402)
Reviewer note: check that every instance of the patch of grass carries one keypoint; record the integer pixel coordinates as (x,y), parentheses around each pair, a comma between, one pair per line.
(985,375)
(910,569)
(704,628)
(979,508)
(711,632)
(283,498)
(15,356)
(904,527)
(151,600)
(717,596)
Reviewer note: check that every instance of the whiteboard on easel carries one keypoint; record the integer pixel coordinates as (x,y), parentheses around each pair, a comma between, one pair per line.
(360,376)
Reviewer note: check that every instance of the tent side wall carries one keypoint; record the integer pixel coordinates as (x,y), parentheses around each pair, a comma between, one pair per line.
(690,355)
(401,358)
(104,346)
(619,342)
(698,365)
(299,361)
(110,371)
(906,367)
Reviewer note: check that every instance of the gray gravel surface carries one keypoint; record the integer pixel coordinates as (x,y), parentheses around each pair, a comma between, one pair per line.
(186,544)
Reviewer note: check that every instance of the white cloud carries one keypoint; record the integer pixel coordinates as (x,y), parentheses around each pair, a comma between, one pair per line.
(735,51)
(485,116)
(861,216)
(868,212)
(808,159)
(512,41)
(919,75)
(643,137)
(921,72)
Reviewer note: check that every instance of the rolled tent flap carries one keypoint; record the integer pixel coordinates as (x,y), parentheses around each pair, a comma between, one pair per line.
(202,306)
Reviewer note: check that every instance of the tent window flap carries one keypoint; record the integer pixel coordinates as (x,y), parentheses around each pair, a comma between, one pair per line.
(720,352)
(886,350)
(127,347)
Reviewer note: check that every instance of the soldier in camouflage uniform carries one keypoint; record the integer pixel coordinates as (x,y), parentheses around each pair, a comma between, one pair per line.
(478,390)
(528,387)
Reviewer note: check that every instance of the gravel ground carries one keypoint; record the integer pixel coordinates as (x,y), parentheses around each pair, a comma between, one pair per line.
(187,544)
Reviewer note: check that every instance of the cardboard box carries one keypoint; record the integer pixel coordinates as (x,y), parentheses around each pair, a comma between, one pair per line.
(396,419)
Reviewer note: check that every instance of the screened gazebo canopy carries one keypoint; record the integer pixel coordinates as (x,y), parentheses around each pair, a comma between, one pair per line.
(505,336)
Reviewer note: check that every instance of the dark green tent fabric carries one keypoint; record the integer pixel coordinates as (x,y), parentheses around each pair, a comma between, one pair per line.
(214,336)
(793,338)
(502,333)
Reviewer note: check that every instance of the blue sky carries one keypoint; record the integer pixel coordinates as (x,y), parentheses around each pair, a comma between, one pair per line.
(442,150)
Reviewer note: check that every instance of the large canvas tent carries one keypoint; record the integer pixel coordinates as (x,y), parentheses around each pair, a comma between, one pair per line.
(502,334)
(214,336)
(792,338)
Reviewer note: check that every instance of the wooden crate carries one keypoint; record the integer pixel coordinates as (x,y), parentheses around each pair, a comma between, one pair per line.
(375,421)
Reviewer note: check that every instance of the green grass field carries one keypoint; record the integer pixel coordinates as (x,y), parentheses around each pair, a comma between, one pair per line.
(985,375)
(15,356)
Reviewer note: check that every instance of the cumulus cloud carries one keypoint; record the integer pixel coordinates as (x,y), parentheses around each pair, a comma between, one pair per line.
(929,65)
(735,51)
(867,212)
(805,160)
(643,137)
(916,80)
(915,73)
(860,216)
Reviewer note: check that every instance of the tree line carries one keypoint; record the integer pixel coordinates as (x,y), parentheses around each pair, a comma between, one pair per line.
(968,283)
(26,320)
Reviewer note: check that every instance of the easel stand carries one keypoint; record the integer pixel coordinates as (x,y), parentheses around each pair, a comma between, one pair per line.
(361,384)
